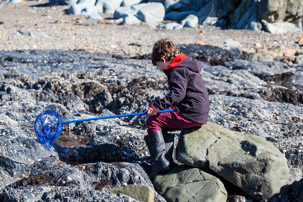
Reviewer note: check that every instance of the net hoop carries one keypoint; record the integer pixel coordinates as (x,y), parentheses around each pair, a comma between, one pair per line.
(48,126)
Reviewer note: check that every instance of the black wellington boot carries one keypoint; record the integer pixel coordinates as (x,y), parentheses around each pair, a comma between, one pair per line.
(169,147)
(156,147)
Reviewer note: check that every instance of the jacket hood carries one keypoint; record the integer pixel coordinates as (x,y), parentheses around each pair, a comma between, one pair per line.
(182,60)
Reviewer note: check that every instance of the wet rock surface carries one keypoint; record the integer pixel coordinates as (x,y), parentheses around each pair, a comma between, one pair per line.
(261,98)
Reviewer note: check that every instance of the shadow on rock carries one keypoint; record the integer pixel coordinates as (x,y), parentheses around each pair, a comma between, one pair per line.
(212,55)
(89,154)
(292,192)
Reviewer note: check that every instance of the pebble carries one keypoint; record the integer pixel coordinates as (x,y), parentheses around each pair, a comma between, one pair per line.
(69,179)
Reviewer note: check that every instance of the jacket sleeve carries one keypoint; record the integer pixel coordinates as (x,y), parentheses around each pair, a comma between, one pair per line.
(177,80)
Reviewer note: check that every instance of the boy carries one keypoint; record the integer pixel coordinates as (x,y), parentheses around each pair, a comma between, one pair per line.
(188,97)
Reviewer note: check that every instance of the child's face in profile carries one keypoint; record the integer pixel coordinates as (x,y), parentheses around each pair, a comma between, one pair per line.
(162,64)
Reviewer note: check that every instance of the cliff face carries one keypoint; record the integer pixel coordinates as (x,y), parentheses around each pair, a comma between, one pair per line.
(246,14)
(274,16)
(236,14)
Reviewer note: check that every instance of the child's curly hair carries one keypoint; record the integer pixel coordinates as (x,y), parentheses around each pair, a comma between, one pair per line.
(164,49)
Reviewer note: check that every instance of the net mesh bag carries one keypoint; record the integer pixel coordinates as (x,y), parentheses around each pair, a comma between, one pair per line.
(48,126)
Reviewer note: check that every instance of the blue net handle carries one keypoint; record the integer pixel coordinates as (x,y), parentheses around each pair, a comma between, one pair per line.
(115,116)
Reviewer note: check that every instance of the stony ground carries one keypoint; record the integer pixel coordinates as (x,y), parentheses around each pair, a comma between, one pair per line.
(35,25)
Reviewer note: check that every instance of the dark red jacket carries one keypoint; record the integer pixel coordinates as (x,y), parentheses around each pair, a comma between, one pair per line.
(188,93)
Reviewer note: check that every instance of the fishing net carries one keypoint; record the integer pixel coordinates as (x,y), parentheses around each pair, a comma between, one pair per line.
(48,126)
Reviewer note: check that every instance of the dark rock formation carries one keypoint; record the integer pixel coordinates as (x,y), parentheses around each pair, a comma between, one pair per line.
(261,98)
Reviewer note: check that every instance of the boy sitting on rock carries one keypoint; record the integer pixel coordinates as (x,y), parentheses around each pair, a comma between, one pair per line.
(188,97)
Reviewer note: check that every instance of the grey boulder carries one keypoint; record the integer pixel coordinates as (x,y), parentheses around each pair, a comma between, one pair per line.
(190,184)
(151,12)
(122,12)
(247,161)
(280,27)
(190,21)
(127,3)
(171,26)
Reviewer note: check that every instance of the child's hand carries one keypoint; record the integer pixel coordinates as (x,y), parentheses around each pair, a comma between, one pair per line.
(151,112)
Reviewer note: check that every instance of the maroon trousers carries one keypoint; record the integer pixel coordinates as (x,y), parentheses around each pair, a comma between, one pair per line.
(168,121)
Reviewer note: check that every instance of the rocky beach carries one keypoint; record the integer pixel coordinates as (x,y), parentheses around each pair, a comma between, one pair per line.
(82,67)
